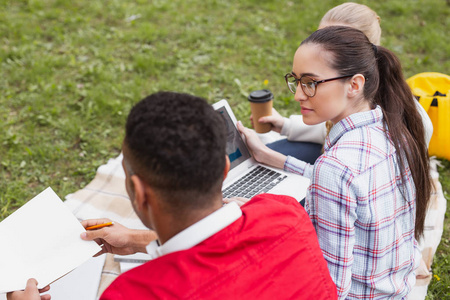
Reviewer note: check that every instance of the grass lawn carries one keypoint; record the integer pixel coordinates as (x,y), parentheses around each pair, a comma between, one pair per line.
(71,70)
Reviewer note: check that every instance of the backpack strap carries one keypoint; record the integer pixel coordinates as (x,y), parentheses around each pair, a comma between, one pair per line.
(426,101)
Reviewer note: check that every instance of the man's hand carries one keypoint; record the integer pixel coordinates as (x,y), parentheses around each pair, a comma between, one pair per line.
(31,292)
(275,119)
(117,239)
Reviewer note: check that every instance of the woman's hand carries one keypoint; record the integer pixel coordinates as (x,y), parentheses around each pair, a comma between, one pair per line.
(31,292)
(255,145)
(275,119)
(261,152)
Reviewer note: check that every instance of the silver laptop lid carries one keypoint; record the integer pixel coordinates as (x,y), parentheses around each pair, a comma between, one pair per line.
(236,149)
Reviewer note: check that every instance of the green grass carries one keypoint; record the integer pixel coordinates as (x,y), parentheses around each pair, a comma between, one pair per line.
(71,70)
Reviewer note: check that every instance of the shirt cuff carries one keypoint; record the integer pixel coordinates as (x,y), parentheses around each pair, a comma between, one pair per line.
(294,165)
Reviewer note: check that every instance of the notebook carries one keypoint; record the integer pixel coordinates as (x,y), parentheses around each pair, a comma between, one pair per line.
(247,177)
(43,242)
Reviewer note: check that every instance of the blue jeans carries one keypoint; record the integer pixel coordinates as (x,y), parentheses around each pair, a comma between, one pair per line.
(307,152)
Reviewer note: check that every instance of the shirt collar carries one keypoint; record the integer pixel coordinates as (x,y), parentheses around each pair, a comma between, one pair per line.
(351,122)
(197,232)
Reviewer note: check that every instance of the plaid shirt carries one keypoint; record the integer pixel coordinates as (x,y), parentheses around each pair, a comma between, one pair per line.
(364,224)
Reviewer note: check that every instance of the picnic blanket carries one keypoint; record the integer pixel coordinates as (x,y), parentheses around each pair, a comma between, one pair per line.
(105,197)
(434,226)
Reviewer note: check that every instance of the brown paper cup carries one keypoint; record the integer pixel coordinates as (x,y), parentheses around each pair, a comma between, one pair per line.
(261,103)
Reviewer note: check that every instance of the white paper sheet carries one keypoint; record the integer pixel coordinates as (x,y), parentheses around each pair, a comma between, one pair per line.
(41,240)
(80,284)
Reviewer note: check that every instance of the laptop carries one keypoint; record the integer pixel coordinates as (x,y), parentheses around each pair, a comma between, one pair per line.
(247,177)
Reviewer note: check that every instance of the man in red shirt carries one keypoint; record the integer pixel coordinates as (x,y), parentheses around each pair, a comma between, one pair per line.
(175,162)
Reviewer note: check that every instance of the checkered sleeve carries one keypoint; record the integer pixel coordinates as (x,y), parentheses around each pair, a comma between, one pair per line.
(294,165)
(334,218)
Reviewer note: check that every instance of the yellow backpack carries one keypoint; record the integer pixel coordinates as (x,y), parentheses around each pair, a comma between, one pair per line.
(433,92)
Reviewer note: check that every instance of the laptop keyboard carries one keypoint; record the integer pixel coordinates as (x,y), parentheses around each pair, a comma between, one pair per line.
(259,180)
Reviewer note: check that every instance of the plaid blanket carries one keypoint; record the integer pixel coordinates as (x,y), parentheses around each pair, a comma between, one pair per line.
(434,226)
(105,197)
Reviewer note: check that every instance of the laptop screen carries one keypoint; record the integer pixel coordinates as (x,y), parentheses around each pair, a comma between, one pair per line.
(236,149)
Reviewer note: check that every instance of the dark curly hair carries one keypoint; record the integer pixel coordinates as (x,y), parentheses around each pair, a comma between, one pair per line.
(176,143)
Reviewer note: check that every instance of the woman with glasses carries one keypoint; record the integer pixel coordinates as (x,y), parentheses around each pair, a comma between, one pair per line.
(370,188)
(303,141)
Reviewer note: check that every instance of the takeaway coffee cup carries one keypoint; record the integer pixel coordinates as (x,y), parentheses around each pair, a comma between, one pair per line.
(261,102)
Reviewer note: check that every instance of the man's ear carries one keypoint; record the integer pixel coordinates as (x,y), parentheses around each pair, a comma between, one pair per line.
(140,195)
(356,86)
(227,167)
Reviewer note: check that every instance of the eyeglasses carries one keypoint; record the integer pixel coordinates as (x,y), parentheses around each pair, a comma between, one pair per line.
(308,85)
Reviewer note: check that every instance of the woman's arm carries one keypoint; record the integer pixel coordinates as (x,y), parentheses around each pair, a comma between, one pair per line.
(297,131)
